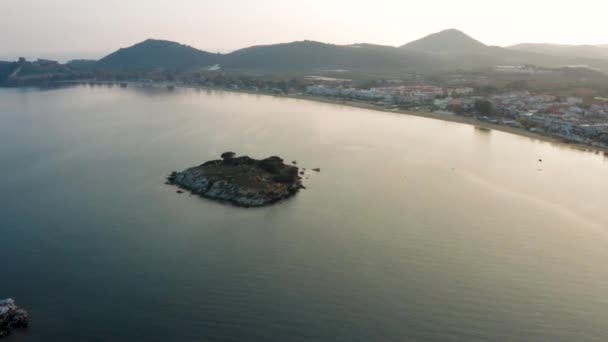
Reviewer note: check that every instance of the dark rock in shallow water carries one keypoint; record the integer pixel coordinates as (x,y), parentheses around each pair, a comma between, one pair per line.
(243,181)
(316,169)
(11,317)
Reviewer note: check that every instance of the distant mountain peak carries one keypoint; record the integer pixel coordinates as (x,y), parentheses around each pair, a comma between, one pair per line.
(159,42)
(451,31)
(447,41)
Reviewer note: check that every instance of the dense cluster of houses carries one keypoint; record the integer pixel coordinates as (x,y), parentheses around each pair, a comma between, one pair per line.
(567,118)
(348,92)
(413,94)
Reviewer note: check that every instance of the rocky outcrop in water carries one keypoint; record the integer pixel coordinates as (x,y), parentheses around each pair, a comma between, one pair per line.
(242,181)
(11,317)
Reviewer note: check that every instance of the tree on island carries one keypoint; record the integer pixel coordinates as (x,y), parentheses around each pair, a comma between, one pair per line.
(228,155)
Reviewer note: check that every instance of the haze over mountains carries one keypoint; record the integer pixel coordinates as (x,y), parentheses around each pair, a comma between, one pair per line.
(583,51)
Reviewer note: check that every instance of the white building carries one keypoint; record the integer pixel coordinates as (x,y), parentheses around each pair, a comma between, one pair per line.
(574,101)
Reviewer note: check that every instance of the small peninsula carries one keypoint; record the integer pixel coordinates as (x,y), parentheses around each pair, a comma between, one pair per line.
(242,181)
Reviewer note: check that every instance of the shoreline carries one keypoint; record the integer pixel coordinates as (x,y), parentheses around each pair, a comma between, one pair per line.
(431,115)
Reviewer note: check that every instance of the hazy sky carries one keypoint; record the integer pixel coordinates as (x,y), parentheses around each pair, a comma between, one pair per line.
(92,28)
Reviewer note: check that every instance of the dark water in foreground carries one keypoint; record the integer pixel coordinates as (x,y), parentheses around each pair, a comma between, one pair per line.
(415,229)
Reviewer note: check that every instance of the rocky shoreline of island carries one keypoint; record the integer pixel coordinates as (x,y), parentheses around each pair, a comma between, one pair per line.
(241,181)
(11,317)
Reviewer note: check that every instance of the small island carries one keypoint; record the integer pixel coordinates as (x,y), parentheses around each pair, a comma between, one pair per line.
(11,317)
(242,181)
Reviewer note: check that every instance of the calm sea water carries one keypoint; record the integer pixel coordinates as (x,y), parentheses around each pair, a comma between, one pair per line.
(415,229)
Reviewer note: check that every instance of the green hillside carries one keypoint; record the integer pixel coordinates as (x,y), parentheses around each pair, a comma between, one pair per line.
(153,54)
(446,42)
(314,56)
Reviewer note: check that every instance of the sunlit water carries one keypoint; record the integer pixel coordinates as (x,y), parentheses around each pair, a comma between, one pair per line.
(415,229)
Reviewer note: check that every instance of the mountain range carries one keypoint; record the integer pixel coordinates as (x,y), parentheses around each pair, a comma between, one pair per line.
(448,50)
(300,56)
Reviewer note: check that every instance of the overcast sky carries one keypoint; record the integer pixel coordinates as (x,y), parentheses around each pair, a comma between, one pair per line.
(92,28)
